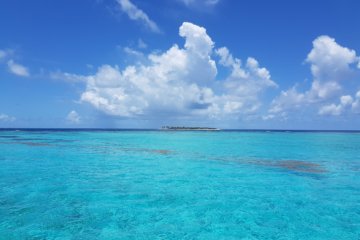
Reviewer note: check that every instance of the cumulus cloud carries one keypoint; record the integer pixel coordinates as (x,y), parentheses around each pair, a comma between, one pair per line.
(136,14)
(6,118)
(329,60)
(73,117)
(171,82)
(333,109)
(244,84)
(17,69)
(331,66)
(346,103)
(289,99)
(250,79)
(181,81)
(346,100)
(322,90)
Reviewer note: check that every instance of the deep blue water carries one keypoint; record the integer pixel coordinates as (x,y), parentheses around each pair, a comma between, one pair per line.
(179,185)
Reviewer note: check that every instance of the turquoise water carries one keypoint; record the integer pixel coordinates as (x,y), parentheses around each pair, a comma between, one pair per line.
(179,185)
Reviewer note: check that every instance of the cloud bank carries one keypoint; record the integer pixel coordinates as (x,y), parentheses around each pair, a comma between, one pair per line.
(333,68)
(181,81)
(201,81)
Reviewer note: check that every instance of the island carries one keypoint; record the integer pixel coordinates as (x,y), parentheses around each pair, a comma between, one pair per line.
(175,128)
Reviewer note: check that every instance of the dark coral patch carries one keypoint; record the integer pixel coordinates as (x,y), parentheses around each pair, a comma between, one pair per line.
(33,144)
(149,150)
(160,151)
(293,165)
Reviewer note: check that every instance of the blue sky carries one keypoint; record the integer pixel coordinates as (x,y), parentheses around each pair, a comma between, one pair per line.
(144,64)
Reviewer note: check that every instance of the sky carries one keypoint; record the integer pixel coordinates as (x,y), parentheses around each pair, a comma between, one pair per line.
(230,64)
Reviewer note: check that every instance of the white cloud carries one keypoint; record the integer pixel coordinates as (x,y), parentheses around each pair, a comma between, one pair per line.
(290,99)
(244,84)
(73,117)
(197,40)
(329,60)
(320,91)
(169,83)
(331,109)
(346,104)
(6,118)
(179,82)
(254,77)
(346,100)
(331,65)
(134,13)
(17,69)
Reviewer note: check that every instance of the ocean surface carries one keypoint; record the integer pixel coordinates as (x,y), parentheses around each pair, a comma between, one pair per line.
(179,185)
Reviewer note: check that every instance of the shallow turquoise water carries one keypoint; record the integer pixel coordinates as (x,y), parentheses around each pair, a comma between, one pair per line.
(179,185)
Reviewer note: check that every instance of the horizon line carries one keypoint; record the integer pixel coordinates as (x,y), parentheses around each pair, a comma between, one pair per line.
(159,129)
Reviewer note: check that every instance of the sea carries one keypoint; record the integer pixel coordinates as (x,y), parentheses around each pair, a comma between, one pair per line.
(150,184)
